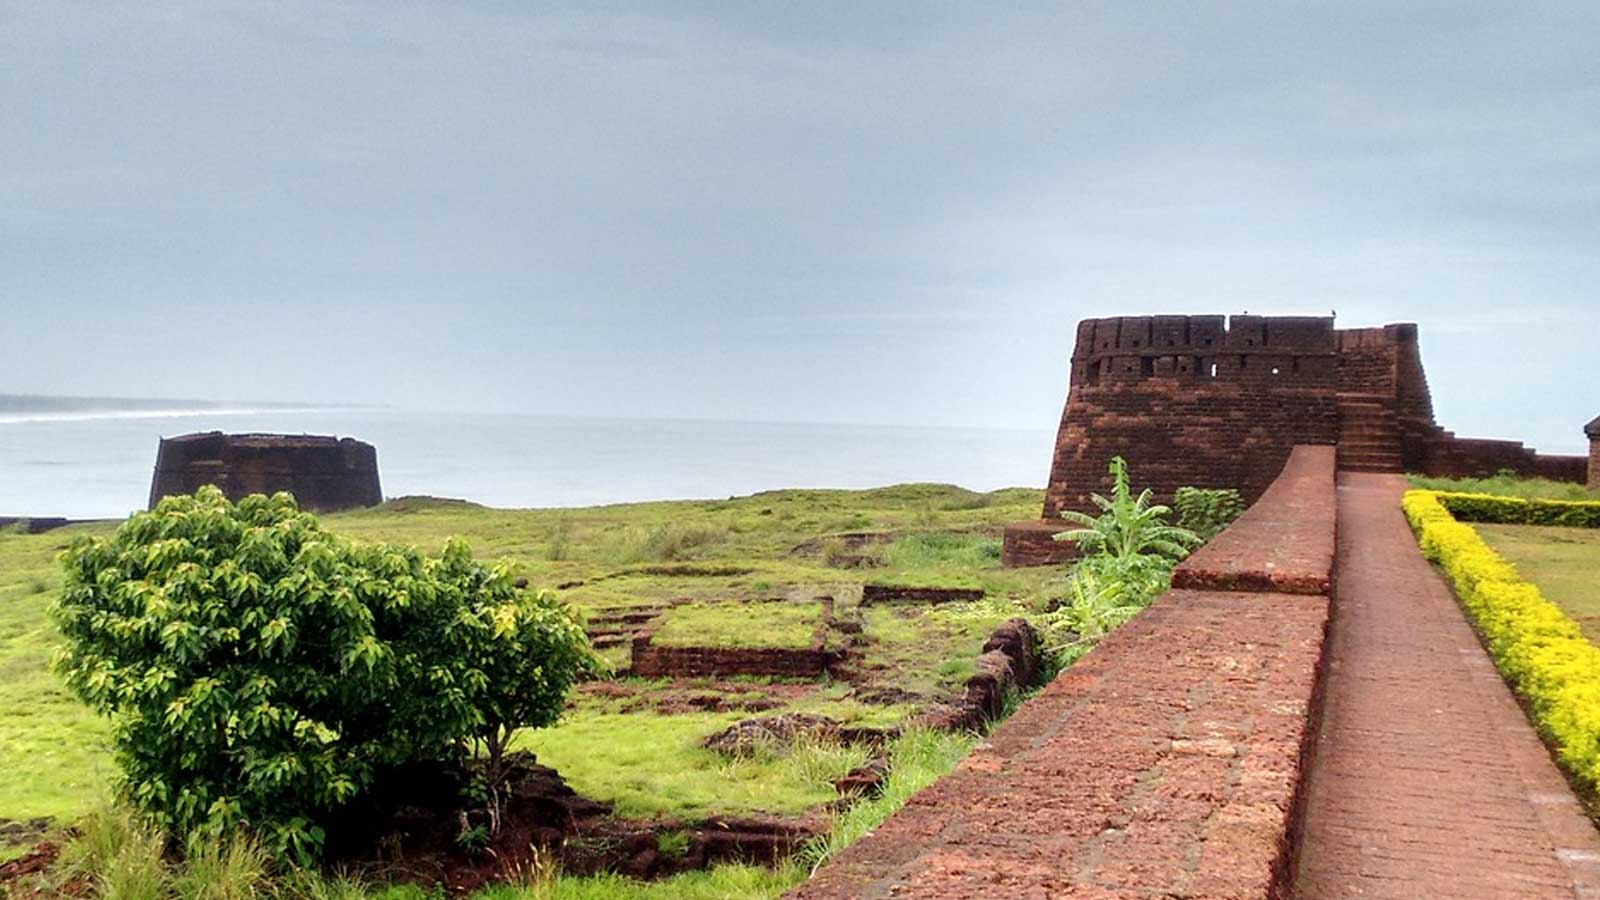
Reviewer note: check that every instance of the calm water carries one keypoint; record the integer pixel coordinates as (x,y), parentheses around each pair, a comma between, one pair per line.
(99,465)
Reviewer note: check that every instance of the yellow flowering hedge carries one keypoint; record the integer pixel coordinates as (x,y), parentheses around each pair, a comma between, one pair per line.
(1538,649)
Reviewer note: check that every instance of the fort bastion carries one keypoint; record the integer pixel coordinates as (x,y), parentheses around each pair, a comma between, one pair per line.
(1218,401)
(324,473)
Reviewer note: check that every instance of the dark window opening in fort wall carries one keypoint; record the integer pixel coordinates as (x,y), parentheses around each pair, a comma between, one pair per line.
(324,473)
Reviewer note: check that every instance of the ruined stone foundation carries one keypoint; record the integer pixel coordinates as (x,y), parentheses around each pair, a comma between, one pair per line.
(324,473)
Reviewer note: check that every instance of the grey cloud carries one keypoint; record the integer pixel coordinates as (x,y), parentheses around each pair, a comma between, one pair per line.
(858,212)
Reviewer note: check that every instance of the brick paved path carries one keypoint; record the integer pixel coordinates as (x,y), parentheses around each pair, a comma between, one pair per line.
(1428,781)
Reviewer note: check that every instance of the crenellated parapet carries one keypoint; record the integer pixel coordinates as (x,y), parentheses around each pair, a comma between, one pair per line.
(1193,400)
(1243,348)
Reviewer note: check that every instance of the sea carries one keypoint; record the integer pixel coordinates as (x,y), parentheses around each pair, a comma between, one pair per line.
(97,464)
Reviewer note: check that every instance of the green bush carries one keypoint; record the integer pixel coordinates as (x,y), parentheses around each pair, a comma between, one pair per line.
(1519,511)
(260,672)
(1206,511)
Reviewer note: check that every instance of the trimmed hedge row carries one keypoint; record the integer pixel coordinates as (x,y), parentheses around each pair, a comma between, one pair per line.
(1538,649)
(1517,511)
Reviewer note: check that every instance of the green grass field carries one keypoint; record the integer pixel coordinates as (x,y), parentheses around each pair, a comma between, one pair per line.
(740,572)
(1508,486)
(52,750)
(1561,561)
(741,624)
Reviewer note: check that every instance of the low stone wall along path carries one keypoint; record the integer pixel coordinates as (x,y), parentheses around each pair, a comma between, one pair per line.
(1166,763)
(1427,780)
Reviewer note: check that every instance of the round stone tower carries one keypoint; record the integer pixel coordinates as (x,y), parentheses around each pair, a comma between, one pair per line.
(324,473)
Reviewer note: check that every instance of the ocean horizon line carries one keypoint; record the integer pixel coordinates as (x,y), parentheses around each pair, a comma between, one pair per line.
(245,409)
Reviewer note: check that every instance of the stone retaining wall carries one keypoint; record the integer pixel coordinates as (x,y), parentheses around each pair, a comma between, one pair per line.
(651,660)
(1008,665)
(1167,762)
(889,593)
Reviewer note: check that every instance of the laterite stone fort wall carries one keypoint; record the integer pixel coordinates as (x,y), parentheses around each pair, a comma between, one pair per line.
(325,474)
(1193,400)
(1169,762)
(1213,401)
(1387,362)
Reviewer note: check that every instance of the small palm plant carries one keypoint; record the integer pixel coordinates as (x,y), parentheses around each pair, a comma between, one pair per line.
(1128,526)
(1095,607)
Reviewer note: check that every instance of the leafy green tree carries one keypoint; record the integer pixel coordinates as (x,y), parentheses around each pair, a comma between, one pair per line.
(527,649)
(259,671)
(1128,525)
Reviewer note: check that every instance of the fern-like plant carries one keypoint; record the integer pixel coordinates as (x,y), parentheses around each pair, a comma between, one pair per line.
(1128,525)
(1206,511)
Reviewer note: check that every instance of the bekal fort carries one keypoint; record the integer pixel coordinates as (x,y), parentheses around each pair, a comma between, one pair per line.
(794,451)
(1269,631)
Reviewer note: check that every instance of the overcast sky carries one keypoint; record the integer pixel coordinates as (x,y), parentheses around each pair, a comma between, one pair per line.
(859,212)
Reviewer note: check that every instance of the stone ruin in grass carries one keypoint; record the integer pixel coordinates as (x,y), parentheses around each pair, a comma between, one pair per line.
(325,473)
(1218,402)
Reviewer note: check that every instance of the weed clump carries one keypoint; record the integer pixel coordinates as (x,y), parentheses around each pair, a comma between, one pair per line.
(670,542)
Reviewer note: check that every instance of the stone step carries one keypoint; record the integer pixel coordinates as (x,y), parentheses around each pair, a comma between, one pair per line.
(1392,459)
(1376,459)
(1369,467)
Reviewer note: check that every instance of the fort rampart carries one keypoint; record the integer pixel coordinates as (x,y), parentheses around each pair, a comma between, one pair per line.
(1168,762)
(324,473)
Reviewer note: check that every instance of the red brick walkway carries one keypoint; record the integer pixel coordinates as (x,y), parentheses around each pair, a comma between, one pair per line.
(1428,781)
